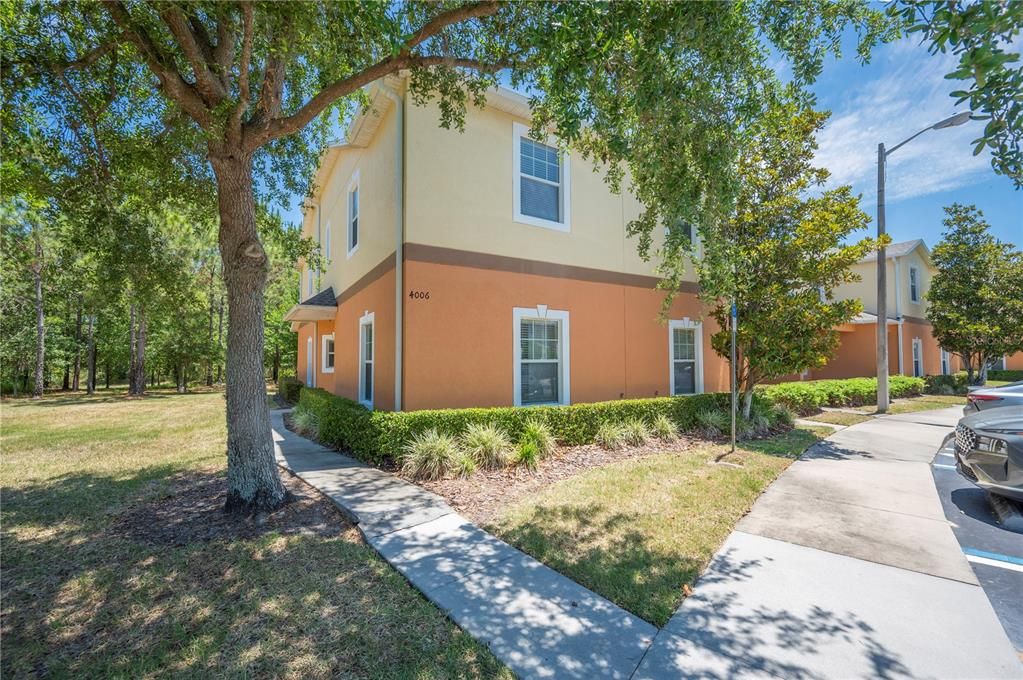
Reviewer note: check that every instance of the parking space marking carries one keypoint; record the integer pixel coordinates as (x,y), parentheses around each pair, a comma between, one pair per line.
(994,559)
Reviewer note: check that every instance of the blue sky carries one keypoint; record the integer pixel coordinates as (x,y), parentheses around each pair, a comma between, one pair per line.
(901,91)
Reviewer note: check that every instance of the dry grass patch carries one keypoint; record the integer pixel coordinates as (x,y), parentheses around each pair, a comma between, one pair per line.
(839,418)
(925,402)
(118,562)
(639,531)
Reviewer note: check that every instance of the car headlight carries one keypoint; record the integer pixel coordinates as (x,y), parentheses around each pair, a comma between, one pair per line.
(990,444)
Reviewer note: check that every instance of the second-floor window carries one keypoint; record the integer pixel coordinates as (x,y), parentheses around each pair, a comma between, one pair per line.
(541,181)
(914,286)
(353,214)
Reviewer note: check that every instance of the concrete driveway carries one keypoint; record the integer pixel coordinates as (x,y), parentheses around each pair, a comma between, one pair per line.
(845,567)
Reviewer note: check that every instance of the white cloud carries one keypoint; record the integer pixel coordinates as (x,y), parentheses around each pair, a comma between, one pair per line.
(910,93)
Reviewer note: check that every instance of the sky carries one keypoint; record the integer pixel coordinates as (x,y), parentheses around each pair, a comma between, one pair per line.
(899,92)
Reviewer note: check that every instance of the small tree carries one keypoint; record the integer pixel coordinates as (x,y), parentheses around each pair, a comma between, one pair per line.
(780,255)
(976,298)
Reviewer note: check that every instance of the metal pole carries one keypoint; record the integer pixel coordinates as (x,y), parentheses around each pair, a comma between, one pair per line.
(735,386)
(882,291)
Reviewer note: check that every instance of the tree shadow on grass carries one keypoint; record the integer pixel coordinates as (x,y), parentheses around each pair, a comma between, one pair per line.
(144,580)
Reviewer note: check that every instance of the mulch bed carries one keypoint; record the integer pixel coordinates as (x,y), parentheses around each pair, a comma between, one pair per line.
(192,511)
(484,496)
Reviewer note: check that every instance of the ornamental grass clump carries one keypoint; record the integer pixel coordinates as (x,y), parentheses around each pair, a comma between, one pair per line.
(539,434)
(664,428)
(713,422)
(527,455)
(635,432)
(303,421)
(464,464)
(430,455)
(610,436)
(487,444)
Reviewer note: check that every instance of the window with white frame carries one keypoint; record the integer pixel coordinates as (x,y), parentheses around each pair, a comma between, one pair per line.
(918,358)
(541,356)
(353,214)
(366,341)
(327,352)
(541,182)
(686,351)
(945,363)
(914,286)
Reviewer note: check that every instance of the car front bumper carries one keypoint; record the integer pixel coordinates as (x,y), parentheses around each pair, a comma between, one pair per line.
(992,471)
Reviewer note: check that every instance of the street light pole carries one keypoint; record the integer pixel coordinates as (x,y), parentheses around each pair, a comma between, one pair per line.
(882,263)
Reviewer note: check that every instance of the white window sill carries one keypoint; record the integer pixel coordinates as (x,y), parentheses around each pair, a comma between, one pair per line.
(327,370)
(352,252)
(540,222)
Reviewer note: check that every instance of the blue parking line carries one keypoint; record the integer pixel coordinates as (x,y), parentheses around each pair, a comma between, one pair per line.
(993,556)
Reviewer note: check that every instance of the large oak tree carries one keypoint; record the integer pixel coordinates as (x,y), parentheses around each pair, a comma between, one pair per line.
(248,92)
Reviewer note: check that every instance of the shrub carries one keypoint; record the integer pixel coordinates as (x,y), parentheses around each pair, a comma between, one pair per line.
(527,455)
(946,384)
(538,433)
(430,455)
(465,464)
(289,388)
(782,416)
(1009,376)
(635,432)
(611,436)
(663,428)
(375,436)
(713,422)
(808,396)
(303,422)
(487,444)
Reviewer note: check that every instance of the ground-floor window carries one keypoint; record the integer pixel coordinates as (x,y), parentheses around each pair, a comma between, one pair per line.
(309,375)
(541,356)
(686,351)
(945,363)
(918,358)
(328,353)
(366,324)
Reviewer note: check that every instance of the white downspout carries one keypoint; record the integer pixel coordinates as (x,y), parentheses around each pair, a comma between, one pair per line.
(399,241)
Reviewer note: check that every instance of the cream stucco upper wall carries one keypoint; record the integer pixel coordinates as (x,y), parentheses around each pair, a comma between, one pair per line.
(899,302)
(460,195)
(375,167)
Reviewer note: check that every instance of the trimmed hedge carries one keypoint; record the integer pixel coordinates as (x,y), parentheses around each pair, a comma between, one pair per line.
(289,388)
(374,436)
(1009,376)
(809,395)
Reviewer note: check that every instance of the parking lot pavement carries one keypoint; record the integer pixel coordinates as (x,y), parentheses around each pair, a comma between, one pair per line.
(994,553)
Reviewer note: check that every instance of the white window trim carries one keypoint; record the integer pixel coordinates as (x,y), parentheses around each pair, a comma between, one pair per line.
(918,355)
(324,368)
(519,130)
(914,285)
(352,185)
(519,314)
(367,319)
(310,362)
(687,323)
(946,362)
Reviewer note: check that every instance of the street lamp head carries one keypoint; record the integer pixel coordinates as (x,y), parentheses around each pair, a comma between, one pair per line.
(952,121)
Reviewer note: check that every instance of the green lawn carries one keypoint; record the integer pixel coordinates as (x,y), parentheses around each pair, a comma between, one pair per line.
(925,402)
(839,418)
(117,561)
(638,531)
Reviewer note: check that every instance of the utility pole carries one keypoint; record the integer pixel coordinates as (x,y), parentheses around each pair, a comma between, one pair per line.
(882,290)
(735,386)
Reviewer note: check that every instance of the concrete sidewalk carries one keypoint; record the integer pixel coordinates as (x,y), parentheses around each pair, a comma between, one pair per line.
(845,567)
(536,621)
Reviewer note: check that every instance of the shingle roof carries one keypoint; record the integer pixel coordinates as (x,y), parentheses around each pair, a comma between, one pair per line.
(325,298)
(896,250)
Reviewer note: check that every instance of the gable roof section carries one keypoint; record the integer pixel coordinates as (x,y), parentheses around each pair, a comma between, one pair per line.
(901,249)
(325,298)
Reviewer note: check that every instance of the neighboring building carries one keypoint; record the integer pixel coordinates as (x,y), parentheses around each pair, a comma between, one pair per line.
(912,349)
(483,268)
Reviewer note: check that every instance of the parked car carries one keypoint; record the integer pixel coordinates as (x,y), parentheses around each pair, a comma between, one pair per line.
(989,450)
(984,398)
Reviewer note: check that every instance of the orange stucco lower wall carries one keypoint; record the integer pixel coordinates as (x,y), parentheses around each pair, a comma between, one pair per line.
(856,355)
(1014,362)
(309,368)
(459,341)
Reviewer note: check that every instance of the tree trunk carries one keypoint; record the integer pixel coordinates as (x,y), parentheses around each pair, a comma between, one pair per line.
(90,380)
(220,333)
(254,484)
(277,362)
(209,337)
(37,275)
(137,383)
(179,374)
(75,382)
(131,345)
(982,373)
(66,382)
(747,399)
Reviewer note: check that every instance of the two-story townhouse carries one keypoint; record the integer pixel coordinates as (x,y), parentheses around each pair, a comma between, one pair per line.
(912,348)
(483,268)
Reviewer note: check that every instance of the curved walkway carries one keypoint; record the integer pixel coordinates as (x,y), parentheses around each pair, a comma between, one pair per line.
(845,567)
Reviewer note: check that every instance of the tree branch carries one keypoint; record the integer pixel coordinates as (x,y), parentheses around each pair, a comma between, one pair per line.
(171,82)
(209,87)
(243,75)
(465,12)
